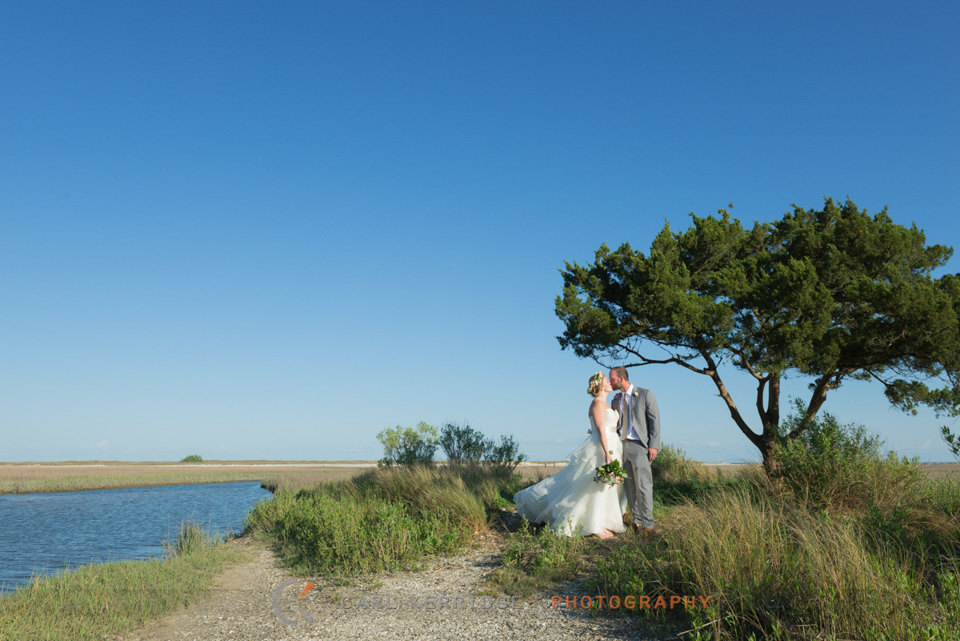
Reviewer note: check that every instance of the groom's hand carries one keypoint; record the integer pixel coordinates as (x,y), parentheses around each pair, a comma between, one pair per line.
(652,454)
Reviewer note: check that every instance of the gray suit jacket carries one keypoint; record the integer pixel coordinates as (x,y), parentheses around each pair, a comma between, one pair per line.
(646,418)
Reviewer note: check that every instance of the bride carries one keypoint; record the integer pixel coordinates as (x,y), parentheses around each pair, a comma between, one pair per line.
(570,500)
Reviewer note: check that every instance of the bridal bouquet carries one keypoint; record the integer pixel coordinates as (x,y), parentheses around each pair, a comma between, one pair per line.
(610,474)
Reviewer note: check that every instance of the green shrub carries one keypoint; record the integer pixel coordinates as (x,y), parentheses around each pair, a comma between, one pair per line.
(408,446)
(193,458)
(467,447)
(505,456)
(463,445)
(384,519)
(319,533)
(672,465)
(830,465)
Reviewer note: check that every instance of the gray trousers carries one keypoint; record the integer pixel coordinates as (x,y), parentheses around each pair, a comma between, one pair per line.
(639,487)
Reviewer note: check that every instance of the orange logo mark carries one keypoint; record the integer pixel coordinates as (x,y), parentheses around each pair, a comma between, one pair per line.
(305,590)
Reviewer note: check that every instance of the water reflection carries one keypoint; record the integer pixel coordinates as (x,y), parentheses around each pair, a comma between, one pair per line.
(48,532)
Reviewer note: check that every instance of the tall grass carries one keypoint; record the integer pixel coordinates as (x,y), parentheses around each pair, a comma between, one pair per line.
(777,570)
(384,519)
(839,542)
(100,600)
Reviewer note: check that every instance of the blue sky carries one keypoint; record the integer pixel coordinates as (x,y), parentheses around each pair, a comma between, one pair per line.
(271,230)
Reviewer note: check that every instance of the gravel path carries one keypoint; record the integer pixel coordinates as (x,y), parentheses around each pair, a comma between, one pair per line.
(445,601)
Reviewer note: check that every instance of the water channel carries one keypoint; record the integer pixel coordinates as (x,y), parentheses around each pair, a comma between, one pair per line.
(45,533)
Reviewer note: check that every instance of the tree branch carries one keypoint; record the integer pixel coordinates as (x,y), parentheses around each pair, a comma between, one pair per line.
(760,410)
(653,361)
(746,363)
(712,372)
(816,401)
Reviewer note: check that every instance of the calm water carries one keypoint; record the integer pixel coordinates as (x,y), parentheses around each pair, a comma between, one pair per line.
(48,532)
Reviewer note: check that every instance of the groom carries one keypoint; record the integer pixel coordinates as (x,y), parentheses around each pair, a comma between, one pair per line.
(639,429)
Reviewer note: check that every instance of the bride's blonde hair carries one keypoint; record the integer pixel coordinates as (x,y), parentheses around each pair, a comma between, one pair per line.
(596,384)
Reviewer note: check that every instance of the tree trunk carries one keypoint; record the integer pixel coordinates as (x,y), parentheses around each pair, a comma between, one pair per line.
(768,450)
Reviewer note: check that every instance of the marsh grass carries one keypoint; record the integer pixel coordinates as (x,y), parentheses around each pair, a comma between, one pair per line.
(99,600)
(191,539)
(824,549)
(293,480)
(777,570)
(109,482)
(383,519)
(22,479)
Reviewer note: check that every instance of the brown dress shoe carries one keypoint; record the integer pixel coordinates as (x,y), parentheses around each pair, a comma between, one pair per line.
(648,532)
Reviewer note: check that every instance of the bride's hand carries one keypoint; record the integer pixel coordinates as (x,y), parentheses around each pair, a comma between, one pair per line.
(608,458)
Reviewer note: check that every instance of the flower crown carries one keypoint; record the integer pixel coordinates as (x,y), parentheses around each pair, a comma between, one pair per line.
(595,381)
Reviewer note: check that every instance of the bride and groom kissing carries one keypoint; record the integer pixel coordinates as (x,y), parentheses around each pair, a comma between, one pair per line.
(570,501)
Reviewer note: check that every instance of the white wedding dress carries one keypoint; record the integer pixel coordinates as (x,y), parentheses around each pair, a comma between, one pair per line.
(570,500)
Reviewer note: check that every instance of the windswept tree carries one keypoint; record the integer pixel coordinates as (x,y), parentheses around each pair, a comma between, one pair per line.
(831,295)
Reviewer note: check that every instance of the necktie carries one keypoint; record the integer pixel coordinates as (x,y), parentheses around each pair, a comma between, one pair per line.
(626,404)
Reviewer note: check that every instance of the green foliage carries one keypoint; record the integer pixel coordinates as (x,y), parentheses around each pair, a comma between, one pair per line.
(386,519)
(831,294)
(317,532)
(467,447)
(672,464)
(505,455)
(463,445)
(408,446)
(834,465)
(951,440)
(193,458)
(839,447)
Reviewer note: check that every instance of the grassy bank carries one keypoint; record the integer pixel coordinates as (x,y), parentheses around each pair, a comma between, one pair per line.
(383,519)
(23,478)
(98,600)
